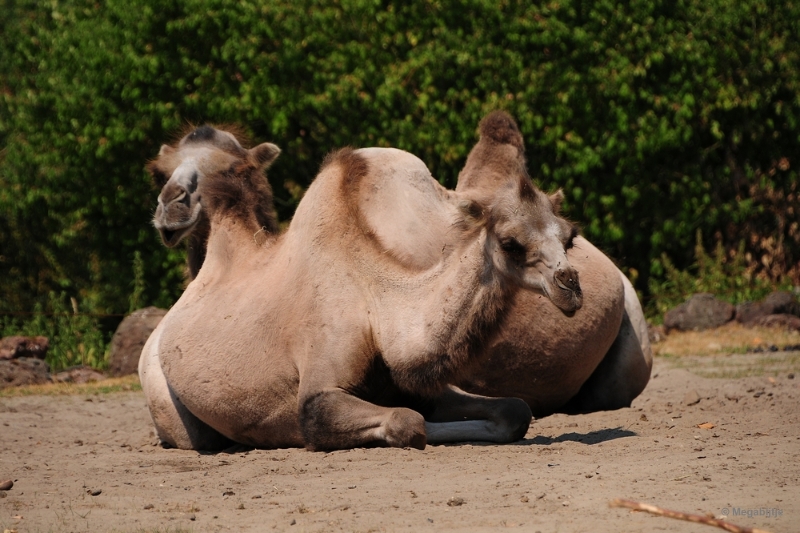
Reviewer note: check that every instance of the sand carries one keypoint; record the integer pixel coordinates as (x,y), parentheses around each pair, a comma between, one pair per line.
(722,446)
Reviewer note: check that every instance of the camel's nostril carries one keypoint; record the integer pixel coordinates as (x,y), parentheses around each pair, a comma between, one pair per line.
(568,280)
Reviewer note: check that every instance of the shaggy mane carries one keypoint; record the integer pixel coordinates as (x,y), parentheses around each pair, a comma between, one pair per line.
(240,192)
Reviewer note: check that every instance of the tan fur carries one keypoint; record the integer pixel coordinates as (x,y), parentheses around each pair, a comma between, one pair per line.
(323,336)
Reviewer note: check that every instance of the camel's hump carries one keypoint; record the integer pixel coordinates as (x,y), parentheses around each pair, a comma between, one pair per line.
(405,208)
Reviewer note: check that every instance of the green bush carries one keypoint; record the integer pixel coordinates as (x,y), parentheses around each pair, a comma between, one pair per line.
(76,337)
(658,118)
(722,274)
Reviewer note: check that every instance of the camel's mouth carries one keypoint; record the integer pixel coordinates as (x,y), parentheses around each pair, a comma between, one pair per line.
(172,232)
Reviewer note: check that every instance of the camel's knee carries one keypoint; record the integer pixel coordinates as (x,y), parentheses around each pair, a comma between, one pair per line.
(405,428)
(513,418)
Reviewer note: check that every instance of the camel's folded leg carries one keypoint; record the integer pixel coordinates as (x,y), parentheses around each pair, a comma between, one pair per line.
(625,370)
(459,416)
(174,424)
(334,419)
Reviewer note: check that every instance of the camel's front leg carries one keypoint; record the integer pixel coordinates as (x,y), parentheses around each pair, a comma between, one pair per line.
(459,416)
(334,419)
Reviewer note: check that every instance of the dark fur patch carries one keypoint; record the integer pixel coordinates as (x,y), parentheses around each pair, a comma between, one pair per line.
(499,127)
(202,134)
(241,191)
(353,168)
(159,178)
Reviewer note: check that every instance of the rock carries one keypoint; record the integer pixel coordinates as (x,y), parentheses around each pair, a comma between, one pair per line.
(455,501)
(782,320)
(79,375)
(691,398)
(18,346)
(129,339)
(777,303)
(6,485)
(23,371)
(699,312)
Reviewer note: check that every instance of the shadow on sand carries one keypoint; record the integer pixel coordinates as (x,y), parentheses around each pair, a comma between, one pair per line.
(593,437)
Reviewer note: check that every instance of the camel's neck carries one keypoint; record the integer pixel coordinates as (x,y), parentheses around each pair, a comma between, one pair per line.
(461,310)
(246,209)
(233,241)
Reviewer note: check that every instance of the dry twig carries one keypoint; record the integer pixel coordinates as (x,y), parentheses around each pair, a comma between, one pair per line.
(700,519)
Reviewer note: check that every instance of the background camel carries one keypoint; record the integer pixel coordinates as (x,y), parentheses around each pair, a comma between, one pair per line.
(598,359)
(323,336)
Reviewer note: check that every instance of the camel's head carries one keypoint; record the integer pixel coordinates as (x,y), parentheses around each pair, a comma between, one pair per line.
(182,172)
(528,238)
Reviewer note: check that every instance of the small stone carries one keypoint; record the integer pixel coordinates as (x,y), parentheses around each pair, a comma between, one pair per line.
(293,522)
(241,506)
(455,502)
(6,485)
(691,398)
(790,376)
(524,499)
(95,492)
(149,506)
(192,517)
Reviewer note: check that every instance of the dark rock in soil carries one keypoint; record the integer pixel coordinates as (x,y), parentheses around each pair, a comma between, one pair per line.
(79,374)
(129,339)
(23,371)
(701,311)
(777,303)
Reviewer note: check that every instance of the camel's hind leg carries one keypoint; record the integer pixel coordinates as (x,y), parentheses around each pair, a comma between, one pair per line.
(458,416)
(174,424)
(625,370)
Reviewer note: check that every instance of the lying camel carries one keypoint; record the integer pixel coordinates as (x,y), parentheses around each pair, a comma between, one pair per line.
(599,359)
(323,336)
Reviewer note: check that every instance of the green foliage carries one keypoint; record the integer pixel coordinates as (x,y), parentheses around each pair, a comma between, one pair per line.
(657,118)
(138,283)
(724,275)
(75,337)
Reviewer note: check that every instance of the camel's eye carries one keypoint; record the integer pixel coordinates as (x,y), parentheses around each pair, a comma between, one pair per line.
(512,247)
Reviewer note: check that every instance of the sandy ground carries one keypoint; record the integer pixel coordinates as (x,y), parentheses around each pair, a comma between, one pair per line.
(88,463)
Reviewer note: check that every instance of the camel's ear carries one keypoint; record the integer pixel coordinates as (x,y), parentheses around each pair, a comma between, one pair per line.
(165,149)
(265,154)
(557,198)
(159,178)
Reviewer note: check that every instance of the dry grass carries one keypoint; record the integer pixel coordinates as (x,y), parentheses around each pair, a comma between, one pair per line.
(730,338)
(127,383)
(726,352)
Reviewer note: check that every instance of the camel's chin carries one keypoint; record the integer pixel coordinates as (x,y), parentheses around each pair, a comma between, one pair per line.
(568,302)
(172,237)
